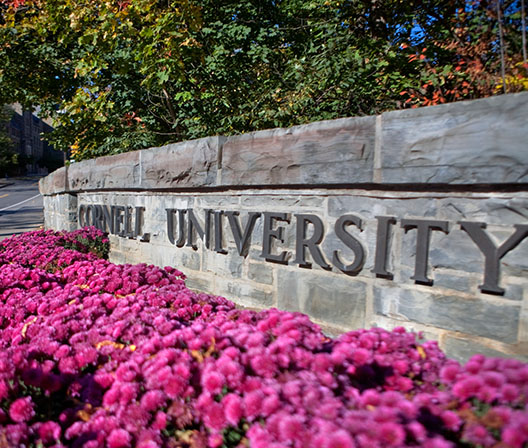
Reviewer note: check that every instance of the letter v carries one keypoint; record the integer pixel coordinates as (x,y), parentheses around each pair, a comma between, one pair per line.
(242,241)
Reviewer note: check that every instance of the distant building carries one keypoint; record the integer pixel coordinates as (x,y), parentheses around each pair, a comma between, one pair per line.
(26,129)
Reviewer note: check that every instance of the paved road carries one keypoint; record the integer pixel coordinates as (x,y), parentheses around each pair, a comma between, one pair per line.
(20,207)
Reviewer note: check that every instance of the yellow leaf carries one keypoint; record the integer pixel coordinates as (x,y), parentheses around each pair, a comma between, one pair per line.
(27,324)
(112,343)
(421,352)
(84,414)
(211,348)
(196,354)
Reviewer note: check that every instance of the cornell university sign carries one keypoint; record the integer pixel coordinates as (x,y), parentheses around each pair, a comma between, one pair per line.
(415,218)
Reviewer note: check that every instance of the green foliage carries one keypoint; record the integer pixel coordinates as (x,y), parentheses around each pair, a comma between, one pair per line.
(118,76)
(8,157)
(97,245)
(464,59)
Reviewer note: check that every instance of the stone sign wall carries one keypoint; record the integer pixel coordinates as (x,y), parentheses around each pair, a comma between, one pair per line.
(415,218)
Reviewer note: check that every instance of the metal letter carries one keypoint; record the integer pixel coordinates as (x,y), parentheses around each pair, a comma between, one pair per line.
(99,217)
(108,220)
(301,242)
(382,246)
(127,232)
(81,217)
(270,233)
(138,222)
(492,253)
(181,228)
(90,215)
(218,232)
(195,225)
(118,212)
(242,241)
(170,224)
(350,242)
(423,228)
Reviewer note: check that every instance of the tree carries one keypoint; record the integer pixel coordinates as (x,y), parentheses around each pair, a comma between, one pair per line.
(125,75)
(8,157)
(479,54)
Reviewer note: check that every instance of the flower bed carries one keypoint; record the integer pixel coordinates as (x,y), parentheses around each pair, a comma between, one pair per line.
(95,354)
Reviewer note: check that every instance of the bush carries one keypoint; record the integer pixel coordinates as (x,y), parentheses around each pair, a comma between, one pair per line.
(95,354)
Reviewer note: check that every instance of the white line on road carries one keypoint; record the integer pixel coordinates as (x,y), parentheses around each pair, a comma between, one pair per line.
(19,203)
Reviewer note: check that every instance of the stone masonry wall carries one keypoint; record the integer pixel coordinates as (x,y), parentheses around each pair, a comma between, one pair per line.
(332,185)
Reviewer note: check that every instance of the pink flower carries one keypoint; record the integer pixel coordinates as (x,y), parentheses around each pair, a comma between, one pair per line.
(213,382)
(258,436)
(118,438)
(214,416)
(21,410)
(467,387)
(151,400)
(451,420)
(49,432)
(338,439)
(418,431)
(391,433)
(510,393)
(128,392)
(111,396)
(478,435)
(449,373)
(263,365)
(438,442)
(361,356)
(513,437)
(270,404)
(215,440)
(147,444)
(160,421)
(370,397)
(253,403)
(400,366)
(3,390)
(291,428)
(233,408)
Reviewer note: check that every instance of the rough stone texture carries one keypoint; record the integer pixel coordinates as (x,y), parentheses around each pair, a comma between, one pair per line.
(456,313)
(56,182)
(243,293)
(112,172)
(281,202)
(180,165)
(469,142)
(186,259)
(187,164)
(222,265)
(462,349)
(60,212)
(481,141)
(336,300)
(327,152)
(260,273)
(200,284)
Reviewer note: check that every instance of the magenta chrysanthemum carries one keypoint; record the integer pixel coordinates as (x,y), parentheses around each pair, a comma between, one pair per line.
(100,355)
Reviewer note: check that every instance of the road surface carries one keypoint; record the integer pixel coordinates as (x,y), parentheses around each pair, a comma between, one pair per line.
(21,207)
